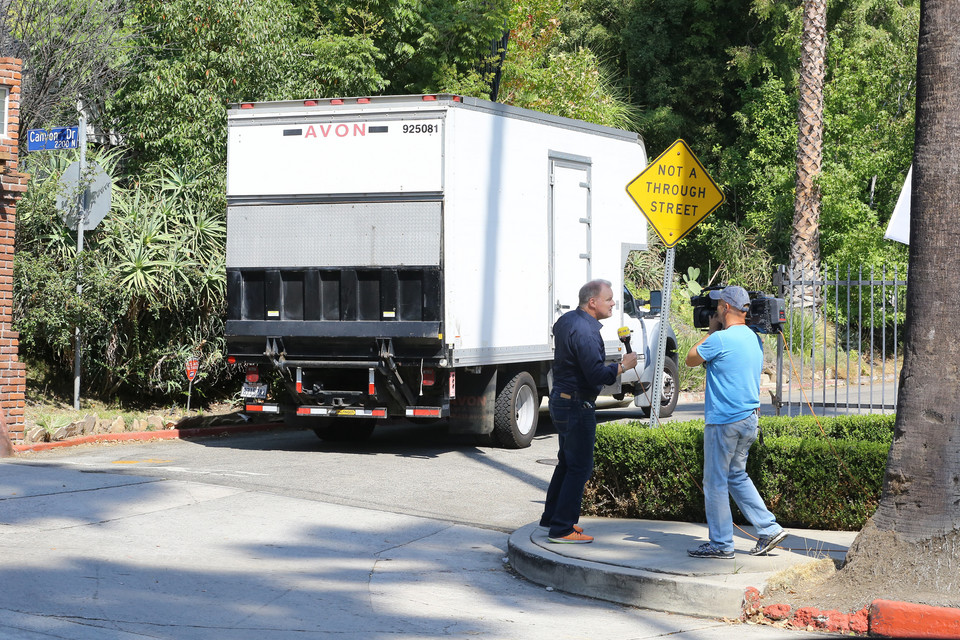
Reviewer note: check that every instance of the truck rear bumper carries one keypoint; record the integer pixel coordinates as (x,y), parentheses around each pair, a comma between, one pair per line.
(341,412)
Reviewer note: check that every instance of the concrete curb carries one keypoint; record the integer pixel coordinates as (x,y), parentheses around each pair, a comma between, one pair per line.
(905,620)
(688,595)
(143,436)
(883,618)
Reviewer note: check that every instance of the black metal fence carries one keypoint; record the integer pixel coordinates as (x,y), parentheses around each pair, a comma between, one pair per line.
(842,346)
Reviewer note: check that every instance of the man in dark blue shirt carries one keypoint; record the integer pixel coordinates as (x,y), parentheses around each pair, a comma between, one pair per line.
(579,373)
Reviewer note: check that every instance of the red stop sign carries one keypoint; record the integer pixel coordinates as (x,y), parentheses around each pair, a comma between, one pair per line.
(192,365)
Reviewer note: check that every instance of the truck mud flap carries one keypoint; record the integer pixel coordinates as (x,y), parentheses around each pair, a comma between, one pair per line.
(472,411)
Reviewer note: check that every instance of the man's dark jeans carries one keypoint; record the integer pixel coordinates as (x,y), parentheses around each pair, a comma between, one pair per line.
(576,423)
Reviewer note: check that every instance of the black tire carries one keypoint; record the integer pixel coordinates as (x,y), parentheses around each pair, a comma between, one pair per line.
(670,393)
(516,412)
(344,429)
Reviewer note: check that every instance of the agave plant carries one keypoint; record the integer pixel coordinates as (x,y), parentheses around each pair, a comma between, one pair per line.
(154,277)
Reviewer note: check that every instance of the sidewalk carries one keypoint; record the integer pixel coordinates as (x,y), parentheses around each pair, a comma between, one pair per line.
(644,563)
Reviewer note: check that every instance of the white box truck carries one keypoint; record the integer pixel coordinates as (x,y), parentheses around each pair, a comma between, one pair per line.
(407,256)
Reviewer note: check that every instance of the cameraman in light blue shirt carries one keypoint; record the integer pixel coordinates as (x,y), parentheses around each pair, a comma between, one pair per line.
(733,355)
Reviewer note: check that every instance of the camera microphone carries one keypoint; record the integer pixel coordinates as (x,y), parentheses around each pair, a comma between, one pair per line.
(624,334)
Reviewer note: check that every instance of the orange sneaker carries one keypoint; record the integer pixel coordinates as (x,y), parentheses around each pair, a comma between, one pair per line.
(574,537)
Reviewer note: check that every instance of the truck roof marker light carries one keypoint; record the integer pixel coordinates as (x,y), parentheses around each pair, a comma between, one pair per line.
(363,100)
(336,101)
(456,98)
(246,105)
(309,103)
(429,98)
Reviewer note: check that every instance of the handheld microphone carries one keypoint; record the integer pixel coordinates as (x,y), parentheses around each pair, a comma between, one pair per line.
(624,334)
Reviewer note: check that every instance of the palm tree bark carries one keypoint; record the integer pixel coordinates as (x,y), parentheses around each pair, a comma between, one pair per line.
(918,520)
(805,240)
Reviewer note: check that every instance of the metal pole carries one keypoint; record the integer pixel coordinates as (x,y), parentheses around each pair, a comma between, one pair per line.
(662,340)
(81,217)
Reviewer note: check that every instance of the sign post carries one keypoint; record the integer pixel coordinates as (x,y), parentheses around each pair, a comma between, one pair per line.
(83,210)
(192,366)
(674,193)
(84,202)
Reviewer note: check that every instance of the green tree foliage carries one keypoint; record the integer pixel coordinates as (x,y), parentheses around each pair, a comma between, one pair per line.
(422,46)
(868,137)
(548,70)
(197,56)
(750,149)
(677,55)
(70,49)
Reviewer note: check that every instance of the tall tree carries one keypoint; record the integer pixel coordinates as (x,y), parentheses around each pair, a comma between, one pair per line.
(913,541)
(70,49)
(424,46)
(805,240)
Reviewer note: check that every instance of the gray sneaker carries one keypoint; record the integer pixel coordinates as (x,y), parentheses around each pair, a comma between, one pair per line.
(709,550)
(766,544)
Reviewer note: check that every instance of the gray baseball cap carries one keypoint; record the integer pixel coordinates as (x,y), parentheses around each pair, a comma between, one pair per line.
(736,297)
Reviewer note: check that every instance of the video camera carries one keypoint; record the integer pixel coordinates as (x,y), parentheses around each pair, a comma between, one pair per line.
(766,314)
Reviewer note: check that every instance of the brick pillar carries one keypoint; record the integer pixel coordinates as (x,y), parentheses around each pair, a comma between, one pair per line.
(12,185)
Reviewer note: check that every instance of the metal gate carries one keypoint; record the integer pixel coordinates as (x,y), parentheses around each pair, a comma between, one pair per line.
(841,351)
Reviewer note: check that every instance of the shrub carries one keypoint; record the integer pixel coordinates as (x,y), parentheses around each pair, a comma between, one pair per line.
(808,479)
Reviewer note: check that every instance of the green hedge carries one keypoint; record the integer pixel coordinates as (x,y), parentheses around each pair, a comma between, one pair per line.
(807,479)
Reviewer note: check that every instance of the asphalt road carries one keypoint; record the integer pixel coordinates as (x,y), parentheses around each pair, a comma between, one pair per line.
(281,535)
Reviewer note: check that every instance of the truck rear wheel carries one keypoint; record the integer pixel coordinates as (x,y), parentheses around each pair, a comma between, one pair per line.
(516,412)
(670,393)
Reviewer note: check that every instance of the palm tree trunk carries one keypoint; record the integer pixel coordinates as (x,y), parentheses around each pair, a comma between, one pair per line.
(805,240)
(918,520)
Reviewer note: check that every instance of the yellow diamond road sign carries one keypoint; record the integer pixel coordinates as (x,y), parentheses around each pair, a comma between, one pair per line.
(675,193)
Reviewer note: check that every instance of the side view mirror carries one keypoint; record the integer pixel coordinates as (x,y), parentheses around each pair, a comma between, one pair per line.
(655,301)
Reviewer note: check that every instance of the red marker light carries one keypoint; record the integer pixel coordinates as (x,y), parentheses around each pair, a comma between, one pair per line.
(246,105)
(309,103)
(363,100)
(429,98)
(336,101)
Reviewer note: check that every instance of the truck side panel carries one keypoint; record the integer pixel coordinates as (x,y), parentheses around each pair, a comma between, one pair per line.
(497,293)
(495,239)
